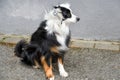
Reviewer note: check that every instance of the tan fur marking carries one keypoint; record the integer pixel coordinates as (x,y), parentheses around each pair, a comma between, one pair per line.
(60,60)
(47,69)
(37,66)
(54,49)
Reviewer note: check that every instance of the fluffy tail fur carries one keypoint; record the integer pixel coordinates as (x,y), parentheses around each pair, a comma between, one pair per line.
(27,52)
(19,48)
(21,52)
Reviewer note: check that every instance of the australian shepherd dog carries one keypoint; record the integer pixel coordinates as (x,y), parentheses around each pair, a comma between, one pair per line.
(49,43)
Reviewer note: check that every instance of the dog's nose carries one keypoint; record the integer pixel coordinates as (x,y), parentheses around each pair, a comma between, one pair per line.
(78,19)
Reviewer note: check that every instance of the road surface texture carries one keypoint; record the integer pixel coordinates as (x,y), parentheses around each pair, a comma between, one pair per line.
(81,64)
(100,19)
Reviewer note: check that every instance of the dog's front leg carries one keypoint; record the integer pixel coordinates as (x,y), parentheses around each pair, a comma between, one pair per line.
(47,68)
(62,71)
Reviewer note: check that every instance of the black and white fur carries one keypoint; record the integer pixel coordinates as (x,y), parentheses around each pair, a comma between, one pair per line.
(52,32)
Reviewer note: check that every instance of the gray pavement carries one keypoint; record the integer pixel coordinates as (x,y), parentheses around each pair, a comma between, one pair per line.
(100,19)
(81,64)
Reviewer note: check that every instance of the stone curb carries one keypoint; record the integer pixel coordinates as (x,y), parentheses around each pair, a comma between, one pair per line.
(12,39)
(75,43)
(107,45)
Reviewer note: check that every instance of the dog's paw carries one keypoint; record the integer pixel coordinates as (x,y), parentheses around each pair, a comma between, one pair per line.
(36,67)
(52,78)
(64,74)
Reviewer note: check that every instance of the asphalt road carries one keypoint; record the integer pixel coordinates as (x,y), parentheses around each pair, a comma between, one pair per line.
(81,64)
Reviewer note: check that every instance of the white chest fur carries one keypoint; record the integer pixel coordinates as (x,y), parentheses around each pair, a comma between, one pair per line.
(62,31)
(61,40)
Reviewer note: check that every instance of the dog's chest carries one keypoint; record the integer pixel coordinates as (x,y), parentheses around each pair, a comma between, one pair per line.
(61,32)
(61,36)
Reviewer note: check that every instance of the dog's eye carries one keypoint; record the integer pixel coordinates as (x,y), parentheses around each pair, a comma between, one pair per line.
(66,14)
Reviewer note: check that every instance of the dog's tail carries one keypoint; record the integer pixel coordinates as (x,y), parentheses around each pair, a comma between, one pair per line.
(27,52)
(19,48)
(20,51)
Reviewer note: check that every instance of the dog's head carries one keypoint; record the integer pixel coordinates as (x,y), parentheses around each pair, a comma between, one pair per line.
(64,12)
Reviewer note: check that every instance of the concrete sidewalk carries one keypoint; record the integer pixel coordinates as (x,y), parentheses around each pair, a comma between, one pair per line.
(81,64)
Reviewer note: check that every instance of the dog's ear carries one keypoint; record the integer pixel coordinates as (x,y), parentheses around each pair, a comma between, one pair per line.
(55,7)
(55,12)
(67,4)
